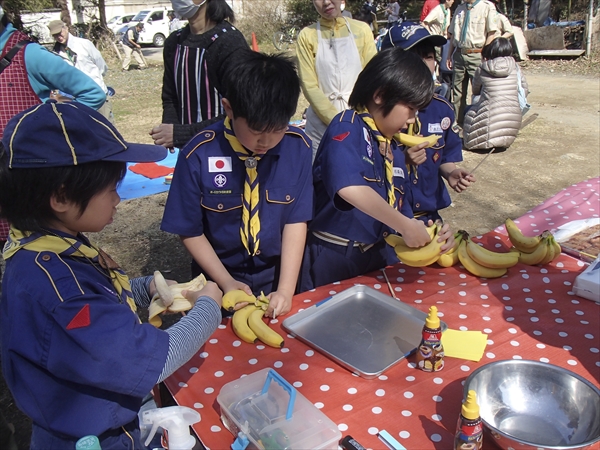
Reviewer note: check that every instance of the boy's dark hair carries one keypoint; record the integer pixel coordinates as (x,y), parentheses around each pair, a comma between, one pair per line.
(497,48)
(25,193)
(263,89)
(218,11)
(397,76)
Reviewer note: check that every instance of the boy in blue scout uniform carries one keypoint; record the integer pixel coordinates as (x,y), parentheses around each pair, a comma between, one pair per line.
(360,174)
(74,354)
(242,189)
(428,167)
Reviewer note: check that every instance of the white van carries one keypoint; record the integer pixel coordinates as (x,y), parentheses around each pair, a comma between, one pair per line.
(156,26)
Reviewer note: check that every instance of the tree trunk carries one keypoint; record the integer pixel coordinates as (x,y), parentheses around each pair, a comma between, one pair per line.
(102,13)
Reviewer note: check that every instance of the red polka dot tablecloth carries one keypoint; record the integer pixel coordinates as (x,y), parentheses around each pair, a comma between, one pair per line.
(530,313)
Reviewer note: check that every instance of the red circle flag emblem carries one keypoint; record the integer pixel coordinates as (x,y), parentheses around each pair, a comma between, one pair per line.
(219,164)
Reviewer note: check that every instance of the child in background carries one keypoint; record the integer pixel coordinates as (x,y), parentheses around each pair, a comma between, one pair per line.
(75,356)
(359,174)
(495,119)
(242,190)
(428,167)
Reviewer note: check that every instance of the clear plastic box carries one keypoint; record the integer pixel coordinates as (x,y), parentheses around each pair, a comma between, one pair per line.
(264,411)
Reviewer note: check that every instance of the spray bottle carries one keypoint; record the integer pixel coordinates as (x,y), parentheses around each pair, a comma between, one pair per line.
(176,421)
(469,429)
(430,354)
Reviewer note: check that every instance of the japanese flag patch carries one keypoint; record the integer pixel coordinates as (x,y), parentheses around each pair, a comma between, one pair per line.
(219,163)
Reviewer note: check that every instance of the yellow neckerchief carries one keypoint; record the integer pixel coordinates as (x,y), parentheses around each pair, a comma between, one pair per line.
(38,242)
(384,149)
(250,226)
(413,130)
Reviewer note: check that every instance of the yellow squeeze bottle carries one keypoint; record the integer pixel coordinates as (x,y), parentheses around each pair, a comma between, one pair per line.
(469,429)
(430,354)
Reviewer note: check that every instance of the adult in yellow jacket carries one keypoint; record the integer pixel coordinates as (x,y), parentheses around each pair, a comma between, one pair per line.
(331,54)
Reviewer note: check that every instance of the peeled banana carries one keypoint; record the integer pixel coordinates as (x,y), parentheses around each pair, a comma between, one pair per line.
(170,298)
(521,243)
(490,259)
(410,140)
(232,298)
(474,267)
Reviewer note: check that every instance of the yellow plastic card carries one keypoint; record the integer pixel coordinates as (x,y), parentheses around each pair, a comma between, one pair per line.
(468,345)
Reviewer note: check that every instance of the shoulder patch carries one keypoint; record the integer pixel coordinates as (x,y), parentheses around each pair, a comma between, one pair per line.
(81,319)
(203,137)
(341,137)
(295,131)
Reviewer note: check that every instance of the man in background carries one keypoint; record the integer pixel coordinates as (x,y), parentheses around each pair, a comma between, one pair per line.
(130,46)
(82,54)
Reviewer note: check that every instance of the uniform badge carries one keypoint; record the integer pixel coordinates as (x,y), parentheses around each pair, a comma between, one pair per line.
(219,163)
(445,123)
(434,128)
(367,138)
(398,172)
(220,180)
(436,156)
(251,162)
(341,137)
(81,319)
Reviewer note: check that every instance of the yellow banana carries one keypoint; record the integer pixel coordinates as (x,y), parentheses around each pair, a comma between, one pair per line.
(265,333)
(239,323)
(450,257)
(490,259)
(422,256)
(551,252)
(521,243)
(394,239)
(536,257)
(410,141)
(172,293)
(232,298)
(557,248)
(475,268)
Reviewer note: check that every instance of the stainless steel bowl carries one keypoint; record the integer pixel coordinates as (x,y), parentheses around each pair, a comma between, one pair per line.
(533,405)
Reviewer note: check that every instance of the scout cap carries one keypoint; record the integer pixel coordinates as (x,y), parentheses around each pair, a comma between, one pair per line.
(408,34)
(56,26)
(56,134)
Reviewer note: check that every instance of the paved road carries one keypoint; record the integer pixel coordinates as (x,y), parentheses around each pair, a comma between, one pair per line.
(153,53)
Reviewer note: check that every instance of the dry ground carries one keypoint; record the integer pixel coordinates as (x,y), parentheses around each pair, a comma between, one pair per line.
(559,149)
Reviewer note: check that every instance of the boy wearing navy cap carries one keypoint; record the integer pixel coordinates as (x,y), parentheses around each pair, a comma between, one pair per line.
(242,189)
(427,167)
(74,353)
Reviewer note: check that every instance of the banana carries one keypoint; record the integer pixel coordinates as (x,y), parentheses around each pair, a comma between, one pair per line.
(521,243)
(232,298)
(490,259)
(172,293)
(551,252)
(410,141)
(557,248)
(239,323)
(394,239)
(263,331)
(450,257)
(536,257)
(422,256)
(475,268)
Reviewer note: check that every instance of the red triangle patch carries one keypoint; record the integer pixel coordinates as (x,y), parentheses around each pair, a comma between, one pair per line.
(341,137)
(81,319)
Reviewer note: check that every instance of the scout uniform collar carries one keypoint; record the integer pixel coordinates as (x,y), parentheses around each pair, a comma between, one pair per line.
(70,247)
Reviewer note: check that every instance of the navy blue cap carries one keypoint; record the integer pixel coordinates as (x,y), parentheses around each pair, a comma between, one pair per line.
(56,134)
(408,34)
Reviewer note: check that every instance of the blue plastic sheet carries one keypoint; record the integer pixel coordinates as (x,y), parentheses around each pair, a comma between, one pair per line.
(135,185)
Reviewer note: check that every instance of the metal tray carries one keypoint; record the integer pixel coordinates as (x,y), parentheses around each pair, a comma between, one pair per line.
(361,329)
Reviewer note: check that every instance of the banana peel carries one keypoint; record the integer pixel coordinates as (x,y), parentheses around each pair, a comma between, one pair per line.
(176,301)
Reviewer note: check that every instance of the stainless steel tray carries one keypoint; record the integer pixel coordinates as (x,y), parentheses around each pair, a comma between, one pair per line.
(361,329)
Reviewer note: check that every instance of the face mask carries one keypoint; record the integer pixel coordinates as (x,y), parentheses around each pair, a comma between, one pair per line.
(186,8)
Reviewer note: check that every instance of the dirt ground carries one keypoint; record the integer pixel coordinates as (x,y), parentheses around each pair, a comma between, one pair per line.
(558,149)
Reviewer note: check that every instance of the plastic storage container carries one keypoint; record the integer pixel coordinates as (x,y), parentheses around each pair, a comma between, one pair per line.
(264,411)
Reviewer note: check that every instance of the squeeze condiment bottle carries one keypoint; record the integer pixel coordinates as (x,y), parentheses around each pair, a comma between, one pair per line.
(430,354)
(469,429)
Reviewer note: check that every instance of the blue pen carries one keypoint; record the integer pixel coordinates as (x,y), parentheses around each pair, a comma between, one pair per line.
(389,440)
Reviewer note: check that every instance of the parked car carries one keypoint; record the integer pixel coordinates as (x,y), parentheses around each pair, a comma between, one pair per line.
(118,22)
(156,26)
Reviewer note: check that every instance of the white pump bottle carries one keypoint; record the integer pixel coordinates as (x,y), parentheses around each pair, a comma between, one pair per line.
(176,420)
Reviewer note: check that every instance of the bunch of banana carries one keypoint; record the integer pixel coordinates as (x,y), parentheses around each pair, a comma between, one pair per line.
(409,140)
(417,257)
(248,324)
(475,267)
(169,298)
(534,250)
(450,257)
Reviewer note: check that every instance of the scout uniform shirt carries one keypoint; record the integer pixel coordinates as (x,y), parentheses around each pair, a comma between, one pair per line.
(481,19)
(74,354)
(206,198)
(428,192)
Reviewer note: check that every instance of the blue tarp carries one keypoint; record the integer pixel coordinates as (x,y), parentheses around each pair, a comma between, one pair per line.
(134,185)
